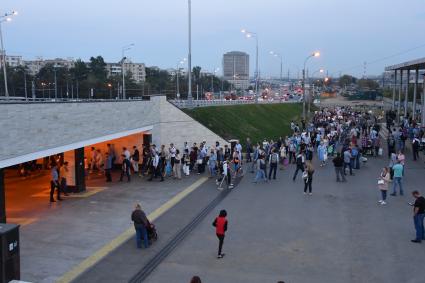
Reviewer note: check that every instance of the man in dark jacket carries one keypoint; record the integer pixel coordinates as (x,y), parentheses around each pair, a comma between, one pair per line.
(338,162)
(140,225)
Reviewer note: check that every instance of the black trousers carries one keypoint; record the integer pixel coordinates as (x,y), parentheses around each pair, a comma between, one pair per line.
(307,184)
(108,175)
(415,154)
(126,172)
(299,167)
(220,243)
(54,185)
(273,168)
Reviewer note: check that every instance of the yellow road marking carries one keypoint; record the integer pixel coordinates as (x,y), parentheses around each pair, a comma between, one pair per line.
(125,236)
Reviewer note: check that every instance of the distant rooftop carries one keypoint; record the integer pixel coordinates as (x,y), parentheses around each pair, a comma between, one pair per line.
(409,65)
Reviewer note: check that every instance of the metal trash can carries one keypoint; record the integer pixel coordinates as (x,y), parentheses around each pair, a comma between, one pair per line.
(9,253)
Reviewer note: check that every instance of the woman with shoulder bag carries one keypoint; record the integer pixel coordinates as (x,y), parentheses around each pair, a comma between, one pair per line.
(177,169)
(383,182)
(308,177)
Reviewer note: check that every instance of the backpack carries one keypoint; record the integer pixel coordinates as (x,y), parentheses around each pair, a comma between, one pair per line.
(354,152)
(273,158)
(262,165)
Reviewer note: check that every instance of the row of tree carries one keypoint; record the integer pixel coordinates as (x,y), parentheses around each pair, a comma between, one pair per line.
(85,80)
(347,80)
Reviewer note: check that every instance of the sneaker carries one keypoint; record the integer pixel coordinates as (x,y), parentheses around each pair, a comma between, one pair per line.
(383,203)
(305,193)
(380,201)
(415,241)
(393,195)
(220,256)
(310,194)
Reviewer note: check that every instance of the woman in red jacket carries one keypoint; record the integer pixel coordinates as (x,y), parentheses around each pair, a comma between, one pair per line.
(220,224)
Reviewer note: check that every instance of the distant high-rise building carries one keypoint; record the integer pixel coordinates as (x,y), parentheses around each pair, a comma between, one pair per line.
(236,69)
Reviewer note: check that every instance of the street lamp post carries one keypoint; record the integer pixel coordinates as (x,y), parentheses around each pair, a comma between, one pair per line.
(177,77)
(123,50)
(312,96)
(212,80)
(189,55)
(315,54)
(56,86)
(5,18)
(274,54)
(250,34)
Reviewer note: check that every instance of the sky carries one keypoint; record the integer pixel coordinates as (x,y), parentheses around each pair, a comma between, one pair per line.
(346,32)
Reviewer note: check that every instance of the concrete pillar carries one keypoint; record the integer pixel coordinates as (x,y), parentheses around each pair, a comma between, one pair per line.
(406,95)
(415,92)
(80,178)
(394,89)
(399,95)
(423,103)
(2,198)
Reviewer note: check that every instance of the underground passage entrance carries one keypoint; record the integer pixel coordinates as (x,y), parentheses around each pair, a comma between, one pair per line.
(25,187)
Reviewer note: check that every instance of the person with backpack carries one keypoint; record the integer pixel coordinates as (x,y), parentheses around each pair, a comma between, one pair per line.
(300,161)
(415,148)
(273,161)
(220,224)
(261,169)
(125,168)
(391,145)
(308,178)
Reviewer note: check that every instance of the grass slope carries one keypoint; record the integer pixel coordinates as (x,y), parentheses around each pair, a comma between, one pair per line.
(257,121)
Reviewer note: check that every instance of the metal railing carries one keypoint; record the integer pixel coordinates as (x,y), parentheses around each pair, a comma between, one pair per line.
(221,102)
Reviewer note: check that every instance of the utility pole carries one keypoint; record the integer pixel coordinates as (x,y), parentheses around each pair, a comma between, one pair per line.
(189,57)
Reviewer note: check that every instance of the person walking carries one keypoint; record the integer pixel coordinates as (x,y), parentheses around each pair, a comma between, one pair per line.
(177,168)
(140,225)
(261,169)
(125,168)
(108,167)
(54,183)
(415,148)
(212,163)
(321,153)
(220,224)
(63,174)
(248,150)
(135,158)
(347,161)
(195,279)
(300,161)
(397,178)
(308,178)
(383,182)
(338,162)
(418,216)
(273,162)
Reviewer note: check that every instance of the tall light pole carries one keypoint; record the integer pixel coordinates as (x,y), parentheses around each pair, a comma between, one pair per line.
(123,50)
(212,79)
(189,55)
(310,96)
(315,54)
(250,34)
(5,18)
(278,55)
(177,76)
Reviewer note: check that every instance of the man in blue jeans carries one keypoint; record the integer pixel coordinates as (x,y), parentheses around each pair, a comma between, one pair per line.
(418,216)
(140,225)
(398,177)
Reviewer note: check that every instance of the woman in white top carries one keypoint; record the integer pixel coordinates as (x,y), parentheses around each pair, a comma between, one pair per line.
(383,181)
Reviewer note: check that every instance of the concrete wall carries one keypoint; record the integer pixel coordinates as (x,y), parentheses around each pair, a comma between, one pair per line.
(29,128)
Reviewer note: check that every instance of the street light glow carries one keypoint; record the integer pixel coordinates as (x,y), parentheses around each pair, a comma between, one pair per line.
(243,30)
(321,70)
(248,35)
(15,13)
(316,54)
(8,19)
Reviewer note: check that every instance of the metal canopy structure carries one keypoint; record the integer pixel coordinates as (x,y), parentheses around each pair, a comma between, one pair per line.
(409,65)
(402,86)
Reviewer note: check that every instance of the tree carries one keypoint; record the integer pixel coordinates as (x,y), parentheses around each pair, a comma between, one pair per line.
(367,83)
(346,80)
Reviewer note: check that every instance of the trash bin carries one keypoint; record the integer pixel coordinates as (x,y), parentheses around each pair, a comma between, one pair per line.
(9,252)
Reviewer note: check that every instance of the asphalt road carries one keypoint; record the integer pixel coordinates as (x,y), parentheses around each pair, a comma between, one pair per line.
(339,234)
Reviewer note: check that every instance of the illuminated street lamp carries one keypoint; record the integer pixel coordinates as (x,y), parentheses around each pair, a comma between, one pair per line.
(249,34)
(315,54)
(181,62)
(5,18)
(110,90)
(123,50)
(311,85)
(212,79)
(274,54)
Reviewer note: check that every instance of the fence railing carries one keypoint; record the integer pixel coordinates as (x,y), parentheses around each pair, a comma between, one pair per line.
(217,102)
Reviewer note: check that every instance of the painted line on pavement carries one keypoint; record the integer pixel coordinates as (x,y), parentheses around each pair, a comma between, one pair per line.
(125,236)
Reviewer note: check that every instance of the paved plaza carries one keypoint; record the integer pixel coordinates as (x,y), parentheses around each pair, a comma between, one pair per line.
(55,238)
(339,234)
